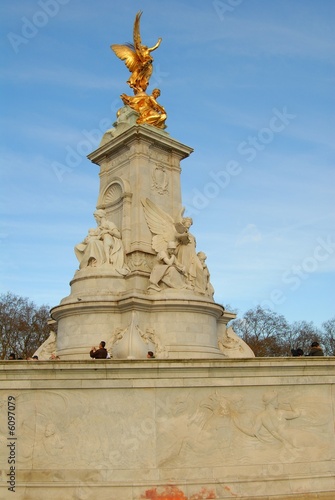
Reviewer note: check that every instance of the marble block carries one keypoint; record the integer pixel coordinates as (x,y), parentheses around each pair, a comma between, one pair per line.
(173,429)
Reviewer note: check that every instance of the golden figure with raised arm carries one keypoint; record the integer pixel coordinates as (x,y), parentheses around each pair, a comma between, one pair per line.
(137,58)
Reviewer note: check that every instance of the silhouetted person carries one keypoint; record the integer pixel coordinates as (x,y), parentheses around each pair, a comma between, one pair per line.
(297,352)
(315,350)
(100,353)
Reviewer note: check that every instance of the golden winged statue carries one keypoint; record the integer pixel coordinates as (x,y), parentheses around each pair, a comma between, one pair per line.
(137,58)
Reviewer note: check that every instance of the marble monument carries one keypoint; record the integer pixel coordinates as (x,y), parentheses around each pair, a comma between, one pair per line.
(142,283)
(204,419)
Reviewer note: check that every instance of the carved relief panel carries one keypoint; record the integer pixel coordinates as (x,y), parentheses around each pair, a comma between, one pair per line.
(159,171)
(173,427)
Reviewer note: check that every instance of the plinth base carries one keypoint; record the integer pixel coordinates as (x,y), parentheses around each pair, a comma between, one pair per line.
(173,324)
(190,430)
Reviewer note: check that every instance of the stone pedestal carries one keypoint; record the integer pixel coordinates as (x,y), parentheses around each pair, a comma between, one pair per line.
(247,429)
(140,195)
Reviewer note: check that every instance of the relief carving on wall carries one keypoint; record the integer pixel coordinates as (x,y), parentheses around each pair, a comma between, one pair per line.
(51,427)
(270,428)
(132,342)
(160,181)
(232,426)
(139,261)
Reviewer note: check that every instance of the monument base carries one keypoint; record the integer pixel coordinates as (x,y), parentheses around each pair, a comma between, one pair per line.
(172,324)
(168,429)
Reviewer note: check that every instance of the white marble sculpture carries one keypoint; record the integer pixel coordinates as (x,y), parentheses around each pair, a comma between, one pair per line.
(206,286)
(168,270)
(134,343)
(176,248)
(48,348)
(233,346)
(102,246)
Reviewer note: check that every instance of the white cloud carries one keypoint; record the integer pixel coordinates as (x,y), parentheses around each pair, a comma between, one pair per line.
(250,234)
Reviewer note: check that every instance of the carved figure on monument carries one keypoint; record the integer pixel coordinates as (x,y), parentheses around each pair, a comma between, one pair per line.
(137,58)
(271,421)
(230,341)
(52,440)
(111,238)
(90,251)
(233,346)
(187,255)
(49,346)
(205,283)
(165,230)
(150,111)
(168,270)
(150,337)
(161,225)
(102,245)
(273,418)
(116,337)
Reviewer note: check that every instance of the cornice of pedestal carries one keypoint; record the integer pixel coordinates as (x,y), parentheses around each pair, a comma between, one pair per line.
(175,302)
(144,133)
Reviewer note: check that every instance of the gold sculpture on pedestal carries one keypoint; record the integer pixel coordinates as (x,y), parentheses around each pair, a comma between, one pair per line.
(138,60)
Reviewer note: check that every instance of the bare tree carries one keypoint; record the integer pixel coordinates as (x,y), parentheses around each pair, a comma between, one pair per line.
(269,334)
(264,331)
(328,337)
(23,326)
(301,334)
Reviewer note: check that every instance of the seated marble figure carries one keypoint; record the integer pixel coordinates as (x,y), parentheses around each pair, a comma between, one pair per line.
(102,245)
(168,270)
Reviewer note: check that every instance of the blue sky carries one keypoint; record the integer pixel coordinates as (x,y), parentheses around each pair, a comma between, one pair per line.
(248,84)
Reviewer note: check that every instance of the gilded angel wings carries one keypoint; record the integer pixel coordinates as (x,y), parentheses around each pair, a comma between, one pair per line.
(137,58)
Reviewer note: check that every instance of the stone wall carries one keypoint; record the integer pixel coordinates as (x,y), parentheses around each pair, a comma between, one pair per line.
(168,429)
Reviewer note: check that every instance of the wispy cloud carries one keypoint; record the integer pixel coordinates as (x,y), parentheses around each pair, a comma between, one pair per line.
(266,38)
(58,76)
(250,234)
